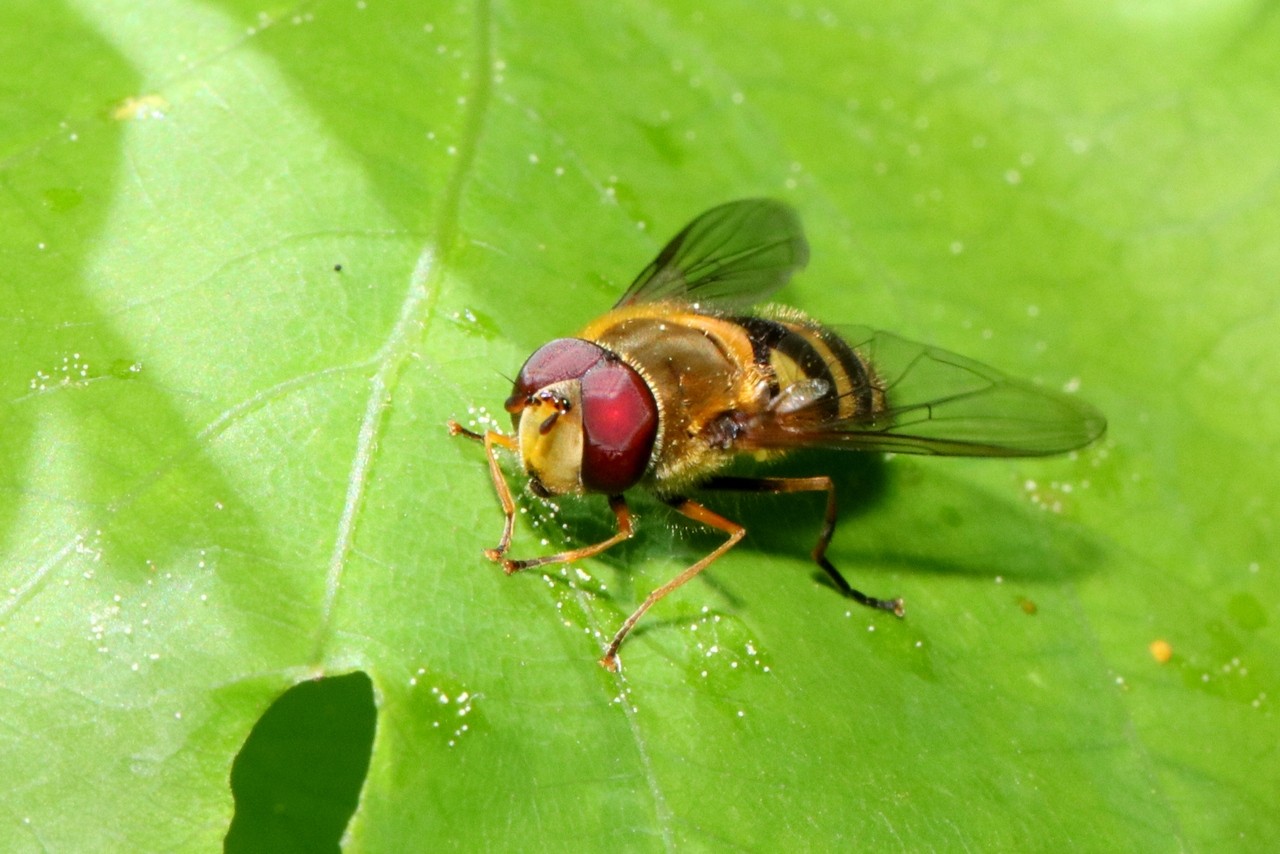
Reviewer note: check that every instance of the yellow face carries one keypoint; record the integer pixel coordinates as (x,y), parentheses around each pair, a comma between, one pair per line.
(551,439)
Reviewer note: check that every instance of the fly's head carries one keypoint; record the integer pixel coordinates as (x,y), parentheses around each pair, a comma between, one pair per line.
(586,420)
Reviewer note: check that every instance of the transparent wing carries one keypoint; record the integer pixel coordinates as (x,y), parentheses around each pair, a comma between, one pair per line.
(935,402)
(732,256)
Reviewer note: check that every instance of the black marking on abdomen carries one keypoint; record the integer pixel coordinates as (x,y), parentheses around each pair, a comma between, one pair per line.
(792,341)
(862,391)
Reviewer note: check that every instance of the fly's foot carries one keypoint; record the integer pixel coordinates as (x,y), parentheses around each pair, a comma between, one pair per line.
(456,429)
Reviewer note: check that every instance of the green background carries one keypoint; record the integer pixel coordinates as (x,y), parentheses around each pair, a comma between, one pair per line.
(224,468)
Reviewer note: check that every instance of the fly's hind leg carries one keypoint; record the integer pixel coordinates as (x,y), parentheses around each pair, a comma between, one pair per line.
(778,485)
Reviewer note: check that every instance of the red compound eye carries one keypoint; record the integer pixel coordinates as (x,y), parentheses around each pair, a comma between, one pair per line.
(553,362)
(619,423)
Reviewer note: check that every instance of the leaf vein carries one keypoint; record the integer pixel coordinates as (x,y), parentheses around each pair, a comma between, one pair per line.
(418,306)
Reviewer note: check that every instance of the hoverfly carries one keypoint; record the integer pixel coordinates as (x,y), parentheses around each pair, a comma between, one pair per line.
(679,377)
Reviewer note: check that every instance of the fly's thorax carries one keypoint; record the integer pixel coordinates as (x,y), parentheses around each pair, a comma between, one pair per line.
(701,372)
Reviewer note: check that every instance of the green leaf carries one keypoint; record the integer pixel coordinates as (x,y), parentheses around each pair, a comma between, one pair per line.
(255,259)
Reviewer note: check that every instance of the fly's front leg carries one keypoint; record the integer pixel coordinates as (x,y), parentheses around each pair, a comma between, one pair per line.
(778,485)
(626,529)
(492,441)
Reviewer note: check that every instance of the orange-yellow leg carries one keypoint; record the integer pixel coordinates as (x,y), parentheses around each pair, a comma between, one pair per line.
(626,529)
(494,440)
(697,513)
